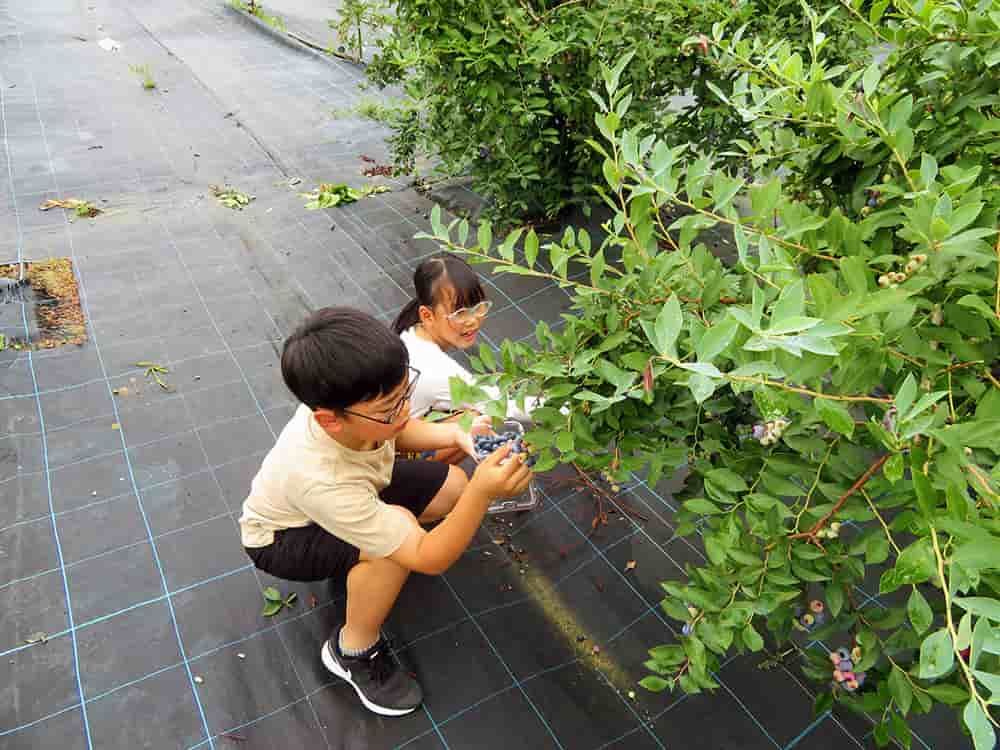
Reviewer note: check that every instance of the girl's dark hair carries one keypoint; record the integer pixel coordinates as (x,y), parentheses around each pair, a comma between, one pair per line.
(339,357)
(434,275)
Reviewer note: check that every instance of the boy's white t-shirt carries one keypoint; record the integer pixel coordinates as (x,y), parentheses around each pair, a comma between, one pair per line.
(308,477)
(433,392)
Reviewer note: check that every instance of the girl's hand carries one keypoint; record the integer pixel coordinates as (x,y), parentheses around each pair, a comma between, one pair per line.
(481,425)
(463,440)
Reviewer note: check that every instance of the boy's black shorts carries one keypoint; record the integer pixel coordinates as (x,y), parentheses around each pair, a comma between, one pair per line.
(311,553)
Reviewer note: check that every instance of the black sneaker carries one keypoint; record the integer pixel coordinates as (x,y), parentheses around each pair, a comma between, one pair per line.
(377,678)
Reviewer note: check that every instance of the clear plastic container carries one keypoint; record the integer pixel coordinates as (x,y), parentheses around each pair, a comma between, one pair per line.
(525,501)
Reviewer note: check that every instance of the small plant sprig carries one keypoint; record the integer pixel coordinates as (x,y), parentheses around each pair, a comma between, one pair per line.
(274,602)
(154,371)
(145,74)
(328,195)
(83,209)
(255,9)
(232,198)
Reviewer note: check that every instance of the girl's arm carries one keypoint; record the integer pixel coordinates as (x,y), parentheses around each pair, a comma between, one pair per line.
(435,377)
(419,435)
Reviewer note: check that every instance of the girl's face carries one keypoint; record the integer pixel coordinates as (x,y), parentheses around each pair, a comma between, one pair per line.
(450,327)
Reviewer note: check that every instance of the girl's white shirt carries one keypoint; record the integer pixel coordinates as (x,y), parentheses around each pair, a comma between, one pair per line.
(433,391)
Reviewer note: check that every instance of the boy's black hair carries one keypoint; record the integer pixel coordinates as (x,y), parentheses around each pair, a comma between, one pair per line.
(431,278)
(339,356)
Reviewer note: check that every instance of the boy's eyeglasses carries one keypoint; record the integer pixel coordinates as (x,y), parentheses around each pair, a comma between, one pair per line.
(471,314)
(397,409)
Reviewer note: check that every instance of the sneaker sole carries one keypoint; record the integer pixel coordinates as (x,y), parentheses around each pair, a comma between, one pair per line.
(330,663)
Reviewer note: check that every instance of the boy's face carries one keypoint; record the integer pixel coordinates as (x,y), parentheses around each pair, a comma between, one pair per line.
(379,419)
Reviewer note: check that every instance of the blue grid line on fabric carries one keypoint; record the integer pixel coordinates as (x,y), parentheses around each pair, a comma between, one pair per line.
(270,628)
(263,415)
(869,600)
(38,405)
(503,663)
(132,607)
(84,303)
(807,731)
(123,495)
(167,668)
(139,371)
(665,622)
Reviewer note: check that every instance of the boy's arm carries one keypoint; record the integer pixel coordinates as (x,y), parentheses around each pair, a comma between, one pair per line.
(433,552)
(419,435)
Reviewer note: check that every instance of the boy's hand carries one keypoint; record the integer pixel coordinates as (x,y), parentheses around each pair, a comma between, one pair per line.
(497,476)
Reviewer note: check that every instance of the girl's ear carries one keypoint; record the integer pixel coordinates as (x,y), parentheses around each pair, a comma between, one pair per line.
(426,314)
(329,420)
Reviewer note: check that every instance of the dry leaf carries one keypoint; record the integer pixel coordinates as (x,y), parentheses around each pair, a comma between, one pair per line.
(39,637)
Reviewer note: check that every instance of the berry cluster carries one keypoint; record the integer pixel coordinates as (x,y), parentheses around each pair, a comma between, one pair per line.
(830,532)
(486,444)
(806,621)
(843,669)
(615,487)
(770,432)
(892,279)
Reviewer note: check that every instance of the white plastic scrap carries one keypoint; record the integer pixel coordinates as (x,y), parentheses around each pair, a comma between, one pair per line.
(109,45)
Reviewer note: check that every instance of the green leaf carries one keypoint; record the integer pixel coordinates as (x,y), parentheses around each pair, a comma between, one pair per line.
(654,684)
(531,248)
(978,724)
(727,479)
(916,563)
(948,693)
(904,398)
(667,328)
(272,608)
(991,681)
(752,638)
(702,506)
(834,598)
(893,468)
(272,594)
(484,236)
(791,303)
(701,387)
(716,339)
(980,605)
(919,612)
(899,688)
(936,655)
(835,416)
(871,78)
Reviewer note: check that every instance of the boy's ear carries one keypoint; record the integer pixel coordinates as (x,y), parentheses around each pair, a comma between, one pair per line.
(329,420)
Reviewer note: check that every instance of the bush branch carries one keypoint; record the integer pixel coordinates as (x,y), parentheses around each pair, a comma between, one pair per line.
(858,484)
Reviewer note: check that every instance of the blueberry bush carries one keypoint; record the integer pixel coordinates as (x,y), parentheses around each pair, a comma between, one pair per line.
(831,392)
(498,90)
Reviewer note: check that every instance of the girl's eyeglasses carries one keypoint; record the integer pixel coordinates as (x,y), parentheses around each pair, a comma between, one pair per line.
(471,314)
(397,409)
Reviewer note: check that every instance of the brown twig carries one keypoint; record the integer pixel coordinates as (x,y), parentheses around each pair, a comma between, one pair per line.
(600,494)
(810,535)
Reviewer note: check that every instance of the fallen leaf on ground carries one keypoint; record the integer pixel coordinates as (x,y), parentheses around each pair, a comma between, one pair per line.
(38,637)
(630,565)
(83,208)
